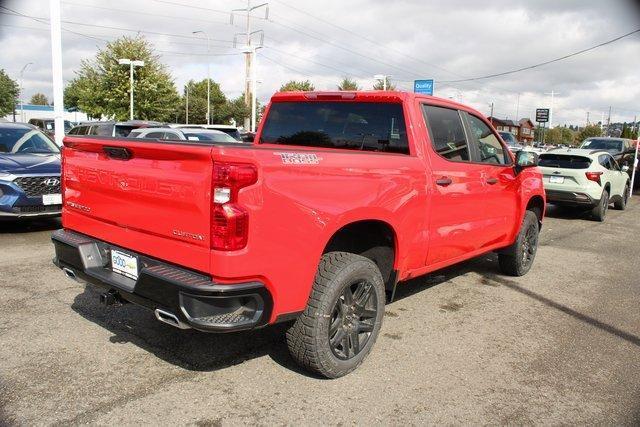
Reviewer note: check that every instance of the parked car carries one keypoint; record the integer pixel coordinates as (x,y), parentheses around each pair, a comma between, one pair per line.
(247,136)
(340,197)
(29,173)
(511,141)
(613,145)
(228,129)
(111,128)
(627,158)
(590,179)
(48,125)
(182,134)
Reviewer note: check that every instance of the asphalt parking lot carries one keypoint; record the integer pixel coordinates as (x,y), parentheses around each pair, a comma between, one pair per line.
(462,346)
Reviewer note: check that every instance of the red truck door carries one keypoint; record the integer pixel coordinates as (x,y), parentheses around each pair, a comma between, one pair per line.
(457,199)
(499,178)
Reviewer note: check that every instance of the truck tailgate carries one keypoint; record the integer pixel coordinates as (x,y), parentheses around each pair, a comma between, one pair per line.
(152,198)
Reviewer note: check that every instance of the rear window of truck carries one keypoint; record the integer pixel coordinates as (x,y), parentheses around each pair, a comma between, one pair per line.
(564,161)
(363,126)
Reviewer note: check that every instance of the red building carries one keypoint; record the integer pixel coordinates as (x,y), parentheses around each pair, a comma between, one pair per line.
(523,130)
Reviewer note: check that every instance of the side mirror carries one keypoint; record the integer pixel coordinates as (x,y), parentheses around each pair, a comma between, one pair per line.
(624,168)
(526,159)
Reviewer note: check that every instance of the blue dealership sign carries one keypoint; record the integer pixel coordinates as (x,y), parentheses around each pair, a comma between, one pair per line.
(423,86)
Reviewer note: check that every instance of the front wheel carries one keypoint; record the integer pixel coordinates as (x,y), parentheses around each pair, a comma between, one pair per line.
(337,330)
(518,258)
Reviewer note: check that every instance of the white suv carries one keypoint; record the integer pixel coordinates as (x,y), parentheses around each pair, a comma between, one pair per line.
(590,179)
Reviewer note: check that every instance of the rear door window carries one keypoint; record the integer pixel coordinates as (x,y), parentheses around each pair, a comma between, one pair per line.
(446,132)
(363,126)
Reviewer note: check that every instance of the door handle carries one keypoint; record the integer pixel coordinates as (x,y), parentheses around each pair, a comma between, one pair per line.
(492,181)
(444,181)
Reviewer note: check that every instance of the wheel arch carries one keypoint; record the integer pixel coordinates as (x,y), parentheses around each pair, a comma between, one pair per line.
(536,205)
(372,238)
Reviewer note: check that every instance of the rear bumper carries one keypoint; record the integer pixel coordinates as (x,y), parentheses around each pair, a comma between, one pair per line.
(191,297)
(572,198)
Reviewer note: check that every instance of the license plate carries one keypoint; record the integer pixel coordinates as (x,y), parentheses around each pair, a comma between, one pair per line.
(124,264)
(556,179)
(52,199)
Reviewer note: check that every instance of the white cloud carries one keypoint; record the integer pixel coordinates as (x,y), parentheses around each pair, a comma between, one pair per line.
(413,39)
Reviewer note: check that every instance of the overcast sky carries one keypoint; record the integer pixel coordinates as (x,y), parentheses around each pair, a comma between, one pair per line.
(325,40)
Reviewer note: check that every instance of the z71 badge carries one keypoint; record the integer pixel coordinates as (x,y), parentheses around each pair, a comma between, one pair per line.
(299,158)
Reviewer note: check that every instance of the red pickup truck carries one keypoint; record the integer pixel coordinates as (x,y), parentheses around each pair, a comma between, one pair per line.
(340,197)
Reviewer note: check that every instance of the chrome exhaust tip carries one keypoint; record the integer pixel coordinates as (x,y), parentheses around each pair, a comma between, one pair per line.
(70,273)
(170,319)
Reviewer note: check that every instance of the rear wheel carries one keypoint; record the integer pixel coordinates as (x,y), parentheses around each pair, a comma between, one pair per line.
(622,203)
(599,212)
(337,330)
(517,259)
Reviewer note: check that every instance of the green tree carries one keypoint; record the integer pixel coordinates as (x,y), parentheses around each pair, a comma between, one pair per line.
(198,103)
(626,131)
(553,136)
(9,92)
(567,136)
(102,84)
(348,84)
(295,85)
(588,132)
(39,99)
(379,85)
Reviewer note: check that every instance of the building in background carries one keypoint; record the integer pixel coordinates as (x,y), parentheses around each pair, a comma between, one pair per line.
(44,112)
(522,130)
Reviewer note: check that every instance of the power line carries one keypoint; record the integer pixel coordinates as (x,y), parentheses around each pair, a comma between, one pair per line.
(546,62)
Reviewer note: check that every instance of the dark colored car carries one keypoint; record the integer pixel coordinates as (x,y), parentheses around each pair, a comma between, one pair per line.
(627,158)
(29,173)
(614,146)
(111,128)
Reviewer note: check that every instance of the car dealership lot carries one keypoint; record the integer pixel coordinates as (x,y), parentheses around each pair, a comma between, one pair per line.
(561,344)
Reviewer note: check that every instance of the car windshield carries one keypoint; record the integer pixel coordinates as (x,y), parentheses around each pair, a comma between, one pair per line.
(208,136)
(50,125)
(564,161)
(232,132)
(25,141)
(603,144)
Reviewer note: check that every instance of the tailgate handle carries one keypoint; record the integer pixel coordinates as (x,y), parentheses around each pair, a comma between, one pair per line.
(120,153)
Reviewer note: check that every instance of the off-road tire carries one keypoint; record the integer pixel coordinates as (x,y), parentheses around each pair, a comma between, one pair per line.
(513,260)
(308,339)
(599,212)
(622,203)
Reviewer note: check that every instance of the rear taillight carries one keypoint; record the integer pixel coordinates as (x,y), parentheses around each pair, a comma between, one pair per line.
(594,176)
(230,220)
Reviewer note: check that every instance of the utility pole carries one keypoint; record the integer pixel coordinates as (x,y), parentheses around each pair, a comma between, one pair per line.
(186,107)
(608,122)
(249,56)
(20,94)
(384,78)
(587,119)
(208,76)
(56,70)
(518,107)
(131,63)
(491,115)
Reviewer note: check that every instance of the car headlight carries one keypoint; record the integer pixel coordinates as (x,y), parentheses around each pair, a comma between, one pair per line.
(5,176)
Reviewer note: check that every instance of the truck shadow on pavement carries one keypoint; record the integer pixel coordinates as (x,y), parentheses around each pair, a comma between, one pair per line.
(198,351)
(30,225)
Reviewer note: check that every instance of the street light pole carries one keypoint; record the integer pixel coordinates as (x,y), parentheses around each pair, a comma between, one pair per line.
(384,78)
(208,76)
(20,94)
(187,107)
(131,63)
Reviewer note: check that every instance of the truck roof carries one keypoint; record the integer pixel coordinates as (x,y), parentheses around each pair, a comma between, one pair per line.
(366,96)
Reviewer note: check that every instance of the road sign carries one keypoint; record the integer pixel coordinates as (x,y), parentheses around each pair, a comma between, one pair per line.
(542,115)
(423,86)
